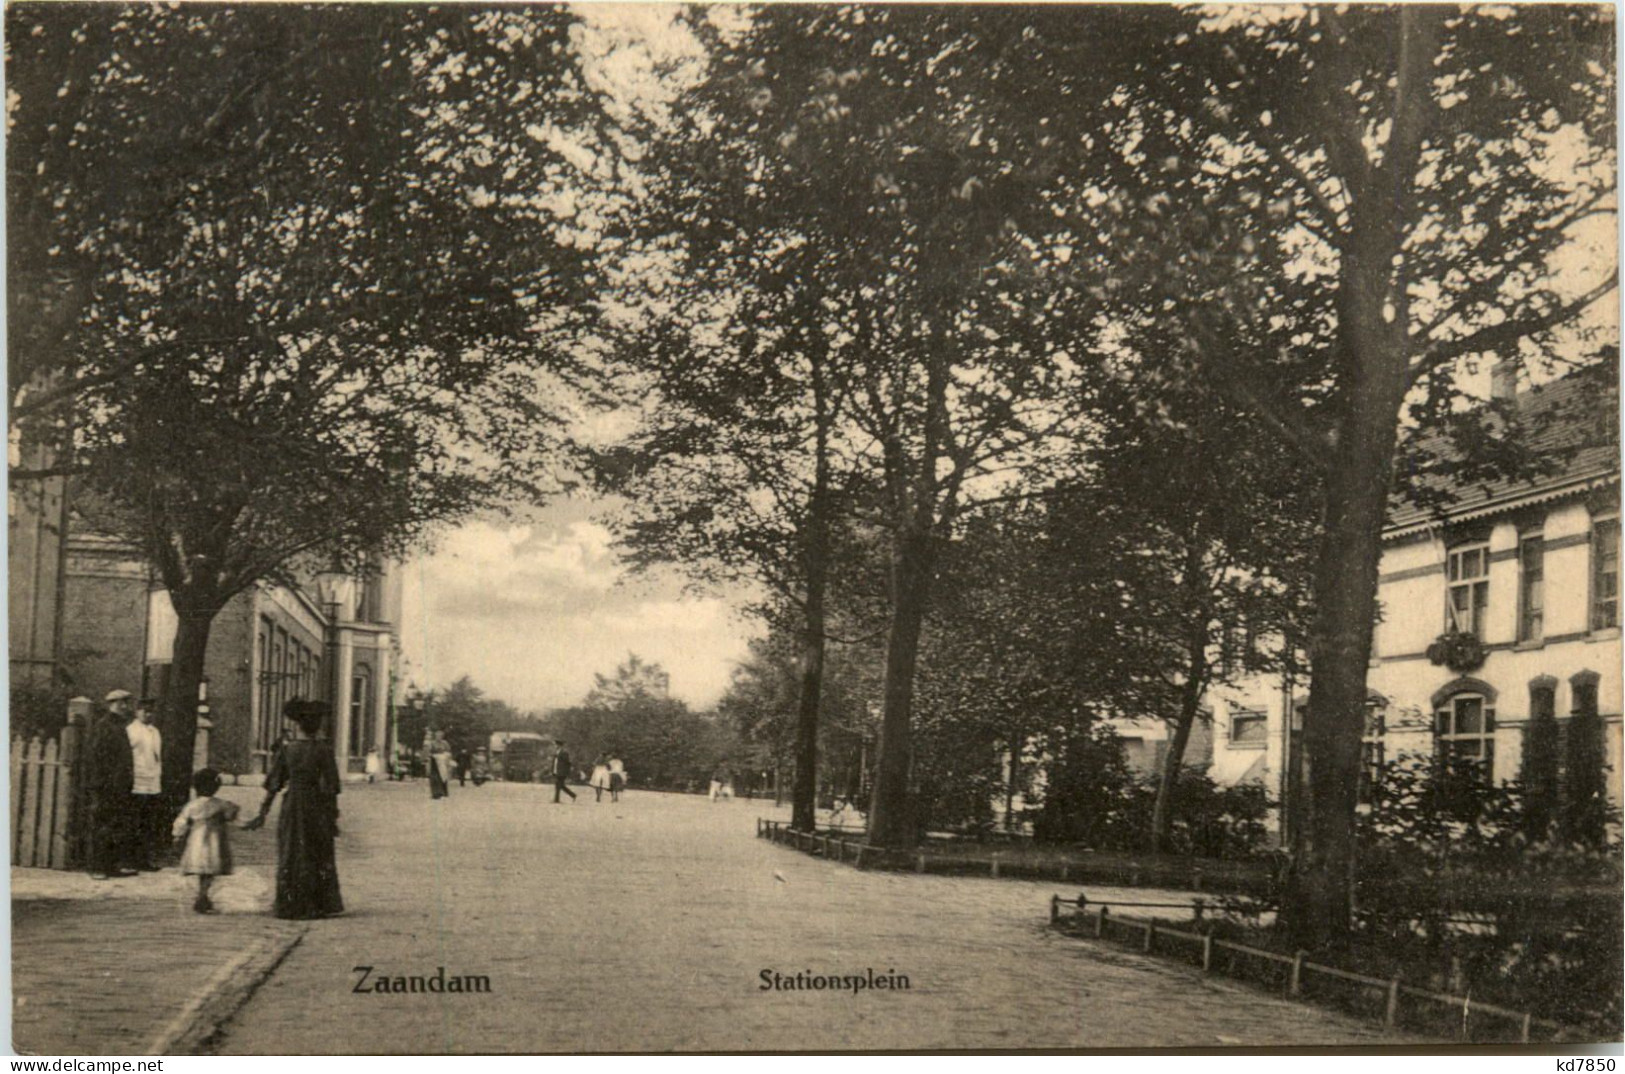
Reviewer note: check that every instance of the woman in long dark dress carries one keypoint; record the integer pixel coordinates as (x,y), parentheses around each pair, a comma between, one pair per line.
(307,878)
(439,766)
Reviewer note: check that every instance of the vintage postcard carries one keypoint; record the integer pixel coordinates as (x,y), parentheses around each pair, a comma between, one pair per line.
(647,528)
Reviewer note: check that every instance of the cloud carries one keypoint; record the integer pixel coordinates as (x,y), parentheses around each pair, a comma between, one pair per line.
(531,611)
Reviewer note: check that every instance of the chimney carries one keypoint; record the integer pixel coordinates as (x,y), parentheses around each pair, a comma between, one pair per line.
(1503,380)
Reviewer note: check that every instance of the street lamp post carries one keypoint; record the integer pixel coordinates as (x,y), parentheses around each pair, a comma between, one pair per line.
(333,586)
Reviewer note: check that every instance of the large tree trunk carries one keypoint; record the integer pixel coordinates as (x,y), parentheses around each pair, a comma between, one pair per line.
(1374,322)
(1162,818)
(177,709)
(891,823)
(1014,744)
(815,568)
(804,798)
(1319,897)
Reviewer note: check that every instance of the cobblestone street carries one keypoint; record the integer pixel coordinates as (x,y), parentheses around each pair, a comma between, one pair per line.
(646,925)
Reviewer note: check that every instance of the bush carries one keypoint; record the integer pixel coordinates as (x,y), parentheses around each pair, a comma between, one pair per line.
(38,711)
(1092,794)
(1210,821)
(1451,880)
(1096,799)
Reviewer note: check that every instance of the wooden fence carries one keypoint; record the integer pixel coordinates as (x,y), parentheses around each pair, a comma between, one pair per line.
(43,802)
(1293,972)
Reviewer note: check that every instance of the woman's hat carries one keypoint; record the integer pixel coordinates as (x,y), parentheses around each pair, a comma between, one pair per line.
(307,714)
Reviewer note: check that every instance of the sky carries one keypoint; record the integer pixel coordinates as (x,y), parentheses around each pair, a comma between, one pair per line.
(532,609)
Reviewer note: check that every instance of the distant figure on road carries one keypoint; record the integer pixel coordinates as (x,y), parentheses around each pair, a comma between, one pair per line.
(375,765)
(561,771)
(110,776)
(439,767)
(307,878)
(205,825)
(465,761)
(721,784)
(148,816)
(600,779)
(617,778)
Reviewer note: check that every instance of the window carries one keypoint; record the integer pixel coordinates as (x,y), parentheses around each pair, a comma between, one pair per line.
(1371,751)
(1531,588)
(1468,573)
(360,711)
(274,670)
(1605,574)
(1466,731)
(270,719)
(1248,729)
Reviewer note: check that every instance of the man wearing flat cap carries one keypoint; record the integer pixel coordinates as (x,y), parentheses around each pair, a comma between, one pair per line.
(109,780)
(148,820)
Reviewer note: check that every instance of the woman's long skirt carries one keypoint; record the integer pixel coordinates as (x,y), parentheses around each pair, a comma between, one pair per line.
(437,780)
(307,879)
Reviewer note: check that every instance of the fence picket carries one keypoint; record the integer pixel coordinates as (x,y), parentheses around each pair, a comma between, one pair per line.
(46,838)
(62,813)
(16,794)
(27,837)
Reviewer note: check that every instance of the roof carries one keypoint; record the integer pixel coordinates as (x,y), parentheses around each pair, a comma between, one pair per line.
(1571,424)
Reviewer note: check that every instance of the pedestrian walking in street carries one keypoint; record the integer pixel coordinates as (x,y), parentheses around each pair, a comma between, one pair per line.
(205,826)
(439,766)
(617,778)
(465,761)
(109,778)
(148,816)
(600,779)
(307,878)
(375,765)
(561,771)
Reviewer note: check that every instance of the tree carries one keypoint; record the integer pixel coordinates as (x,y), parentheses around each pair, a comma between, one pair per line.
(1336,210)
(316,328)
(1585,808)
(1193,532)
(912,182)
(630,713)
(1541,762)
(632,681)
(733,473)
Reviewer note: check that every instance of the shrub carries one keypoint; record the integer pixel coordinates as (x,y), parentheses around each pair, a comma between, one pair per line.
(38,711)
(1095,798)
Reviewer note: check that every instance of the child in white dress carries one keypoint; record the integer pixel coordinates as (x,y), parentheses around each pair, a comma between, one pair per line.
(204,824)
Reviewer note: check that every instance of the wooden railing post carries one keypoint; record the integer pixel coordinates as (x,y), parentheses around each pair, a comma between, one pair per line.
(1054,909)
(1391,1014)
(1207,953)
(1150,935)
(1295,986)
(1100,922)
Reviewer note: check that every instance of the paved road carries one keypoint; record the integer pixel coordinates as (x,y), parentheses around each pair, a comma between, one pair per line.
(645,926)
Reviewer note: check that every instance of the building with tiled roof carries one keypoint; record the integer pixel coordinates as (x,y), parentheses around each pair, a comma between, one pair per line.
(1514,582)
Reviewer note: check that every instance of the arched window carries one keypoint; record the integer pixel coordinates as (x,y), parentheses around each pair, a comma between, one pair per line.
(1465,730)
